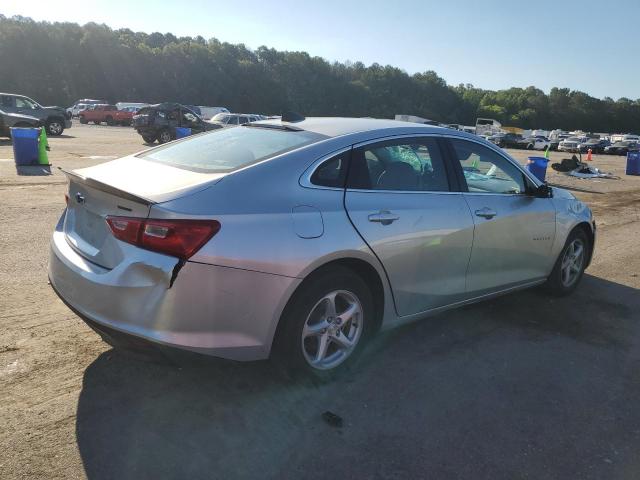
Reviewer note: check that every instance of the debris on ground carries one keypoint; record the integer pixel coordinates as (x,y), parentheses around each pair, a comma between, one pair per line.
(575,168)
(332,419)
(587,171)
(566,164)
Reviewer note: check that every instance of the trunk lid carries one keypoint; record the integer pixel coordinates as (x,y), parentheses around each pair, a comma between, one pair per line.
(125,187)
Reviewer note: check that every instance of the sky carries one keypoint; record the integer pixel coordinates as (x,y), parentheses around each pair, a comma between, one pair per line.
(592,46)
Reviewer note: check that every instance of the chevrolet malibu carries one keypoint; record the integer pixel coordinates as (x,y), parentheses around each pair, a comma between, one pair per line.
(301,239)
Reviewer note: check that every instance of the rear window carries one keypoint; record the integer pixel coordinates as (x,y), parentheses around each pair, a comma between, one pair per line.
(230,149)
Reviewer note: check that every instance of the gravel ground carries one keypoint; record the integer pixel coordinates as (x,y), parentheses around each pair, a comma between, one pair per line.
(523,386)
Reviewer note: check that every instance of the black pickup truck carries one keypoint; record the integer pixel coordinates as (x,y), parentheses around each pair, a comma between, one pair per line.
(56,119)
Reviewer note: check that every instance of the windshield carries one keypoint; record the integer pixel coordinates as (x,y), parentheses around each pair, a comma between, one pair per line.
(226,150)
(219,117)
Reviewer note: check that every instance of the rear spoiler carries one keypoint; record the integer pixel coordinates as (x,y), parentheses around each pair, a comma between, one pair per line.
(103,187)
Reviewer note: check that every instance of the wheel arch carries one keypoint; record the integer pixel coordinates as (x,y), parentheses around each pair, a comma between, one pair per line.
(587,228)
(368,273)
(363,268)
(55,118)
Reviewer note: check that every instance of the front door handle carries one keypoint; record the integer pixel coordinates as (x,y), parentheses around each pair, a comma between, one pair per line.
(485,212)
(385,217)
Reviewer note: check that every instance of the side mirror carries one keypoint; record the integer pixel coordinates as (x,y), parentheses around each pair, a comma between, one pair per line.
(542,191)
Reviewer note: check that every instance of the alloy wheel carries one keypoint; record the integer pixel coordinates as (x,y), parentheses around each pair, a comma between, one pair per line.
(165,136)
(572,262)
(55,128)
(332,330)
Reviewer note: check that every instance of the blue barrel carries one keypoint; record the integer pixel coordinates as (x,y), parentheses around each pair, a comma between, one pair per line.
(538,166)
(182,132)
(25,145)
(633,163)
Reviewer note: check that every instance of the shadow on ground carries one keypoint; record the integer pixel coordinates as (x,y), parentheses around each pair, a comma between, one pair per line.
(33,170)
(521,386)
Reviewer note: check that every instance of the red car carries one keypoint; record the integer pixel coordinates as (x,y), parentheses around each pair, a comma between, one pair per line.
(106,113)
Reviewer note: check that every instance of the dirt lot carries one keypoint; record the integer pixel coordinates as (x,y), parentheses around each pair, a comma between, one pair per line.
(520,387)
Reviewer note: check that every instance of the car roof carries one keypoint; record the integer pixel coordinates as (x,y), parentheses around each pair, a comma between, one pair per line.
(339,126)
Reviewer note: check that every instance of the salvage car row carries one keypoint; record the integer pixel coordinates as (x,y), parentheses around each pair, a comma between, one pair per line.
(572,144)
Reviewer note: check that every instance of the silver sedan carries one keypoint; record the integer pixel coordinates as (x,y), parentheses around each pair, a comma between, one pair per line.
(301,239)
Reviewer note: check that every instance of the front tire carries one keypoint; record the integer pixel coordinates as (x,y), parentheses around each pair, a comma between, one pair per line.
(55,127)
(148,138)
(325,324)
(570,266)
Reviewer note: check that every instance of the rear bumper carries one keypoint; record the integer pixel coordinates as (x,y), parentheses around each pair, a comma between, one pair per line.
(223,312)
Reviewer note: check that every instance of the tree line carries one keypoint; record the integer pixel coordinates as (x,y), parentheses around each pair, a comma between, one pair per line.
(58,63)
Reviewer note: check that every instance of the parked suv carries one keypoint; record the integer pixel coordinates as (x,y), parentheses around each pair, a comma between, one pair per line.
(571,144)
(159,122)
(595,144)
(509,140)
(8,120)
(622,148)
(56,119)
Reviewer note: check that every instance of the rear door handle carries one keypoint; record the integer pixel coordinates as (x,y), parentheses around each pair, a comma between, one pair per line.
(485,212)
(385,217)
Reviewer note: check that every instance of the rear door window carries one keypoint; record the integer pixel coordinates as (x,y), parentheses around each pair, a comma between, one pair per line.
(8,101)
(414,164)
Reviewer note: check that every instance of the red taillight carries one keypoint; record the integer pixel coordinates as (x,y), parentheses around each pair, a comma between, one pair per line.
(178,238)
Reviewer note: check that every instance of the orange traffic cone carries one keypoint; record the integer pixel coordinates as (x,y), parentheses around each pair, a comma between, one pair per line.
(589,155)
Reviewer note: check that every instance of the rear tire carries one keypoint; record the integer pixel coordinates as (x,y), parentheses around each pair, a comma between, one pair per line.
(83,120)
(110,121)
(164,136)
(148,138)
(570,265)
(325,324)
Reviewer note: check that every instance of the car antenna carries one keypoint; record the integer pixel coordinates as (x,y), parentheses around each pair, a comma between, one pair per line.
(292,117)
